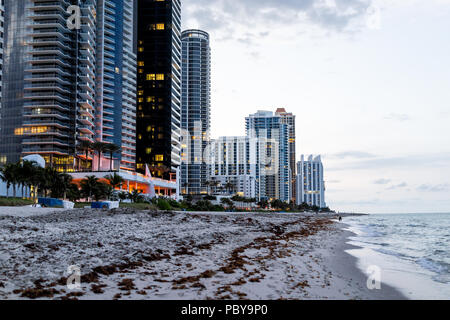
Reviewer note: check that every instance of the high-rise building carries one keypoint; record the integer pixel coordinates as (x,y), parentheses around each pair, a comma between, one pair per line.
(2,21)
(116,78)
(59,88)
(195,110)
(310,182)
(289,119)
(241,164)
(159,86)
(266,125)
(13,80)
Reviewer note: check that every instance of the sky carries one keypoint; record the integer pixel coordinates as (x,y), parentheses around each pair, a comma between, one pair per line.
(369,82)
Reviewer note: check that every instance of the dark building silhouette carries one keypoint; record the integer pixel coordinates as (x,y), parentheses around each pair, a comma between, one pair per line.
(159,86)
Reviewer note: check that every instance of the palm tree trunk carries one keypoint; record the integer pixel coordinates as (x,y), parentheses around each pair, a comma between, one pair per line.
(87,154)
(99,155)
(14,190)
(110,161)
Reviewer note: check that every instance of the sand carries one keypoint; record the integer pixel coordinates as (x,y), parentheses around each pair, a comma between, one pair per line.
(27,211)
(127,254)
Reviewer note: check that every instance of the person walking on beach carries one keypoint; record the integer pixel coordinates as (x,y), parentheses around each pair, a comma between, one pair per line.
(340,218)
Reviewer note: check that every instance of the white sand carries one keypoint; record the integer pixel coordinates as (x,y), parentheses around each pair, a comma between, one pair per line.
(27,211)
(180,256)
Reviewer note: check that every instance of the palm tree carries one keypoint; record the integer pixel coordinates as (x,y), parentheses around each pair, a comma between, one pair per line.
(85,146)
(207,185)
(215,184)
(27,172)
(36,176)
(6,175)
(49,180)
(99,147)
(135,196)
(111,148)
(88,186)
(229,186)
(14,170)
(115,180)
(65,183)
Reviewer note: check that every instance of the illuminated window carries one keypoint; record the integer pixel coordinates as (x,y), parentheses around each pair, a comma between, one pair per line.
(141,49)
(160,76)
(160,26)
(151,76)
(159,157)
(140,63)
(141,92)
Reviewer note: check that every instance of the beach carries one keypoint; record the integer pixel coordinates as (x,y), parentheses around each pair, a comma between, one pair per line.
(129,254)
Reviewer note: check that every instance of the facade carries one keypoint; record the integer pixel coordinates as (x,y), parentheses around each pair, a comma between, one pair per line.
(13,80)
(195,110)
(59,88)
(159,86)
(116,79)
(2,21)
(266,125)
(289,119)
(244,163)
(310,182)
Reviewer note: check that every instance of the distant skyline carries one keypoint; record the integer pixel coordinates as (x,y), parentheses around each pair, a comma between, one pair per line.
(368,81)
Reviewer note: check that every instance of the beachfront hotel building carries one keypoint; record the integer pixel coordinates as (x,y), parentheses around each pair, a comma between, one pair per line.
(271,128)
(158,143)
(310,182)
(195,110)
(289,119)
(66,83)
(245,163)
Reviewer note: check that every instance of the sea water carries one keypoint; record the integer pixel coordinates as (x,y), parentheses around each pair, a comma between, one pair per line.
(411,250)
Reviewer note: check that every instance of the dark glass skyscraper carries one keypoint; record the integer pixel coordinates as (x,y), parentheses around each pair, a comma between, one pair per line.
(195,110)
(159,86)
(65,84)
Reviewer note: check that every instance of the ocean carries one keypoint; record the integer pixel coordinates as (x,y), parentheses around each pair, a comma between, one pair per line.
(411,250)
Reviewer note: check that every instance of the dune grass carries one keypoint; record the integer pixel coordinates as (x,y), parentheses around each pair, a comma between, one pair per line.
(14,202)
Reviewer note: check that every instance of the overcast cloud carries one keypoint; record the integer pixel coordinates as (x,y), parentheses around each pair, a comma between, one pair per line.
(368,81)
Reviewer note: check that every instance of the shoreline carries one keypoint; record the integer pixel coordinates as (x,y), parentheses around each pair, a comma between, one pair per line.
(406,275)
(347,265)
(130,254)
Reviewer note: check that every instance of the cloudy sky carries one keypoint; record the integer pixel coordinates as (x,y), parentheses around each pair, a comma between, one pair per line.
(369,81)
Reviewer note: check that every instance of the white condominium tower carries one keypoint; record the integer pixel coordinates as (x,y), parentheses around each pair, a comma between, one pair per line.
(266,125)
(310,182)
(243,163)
(289,119)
